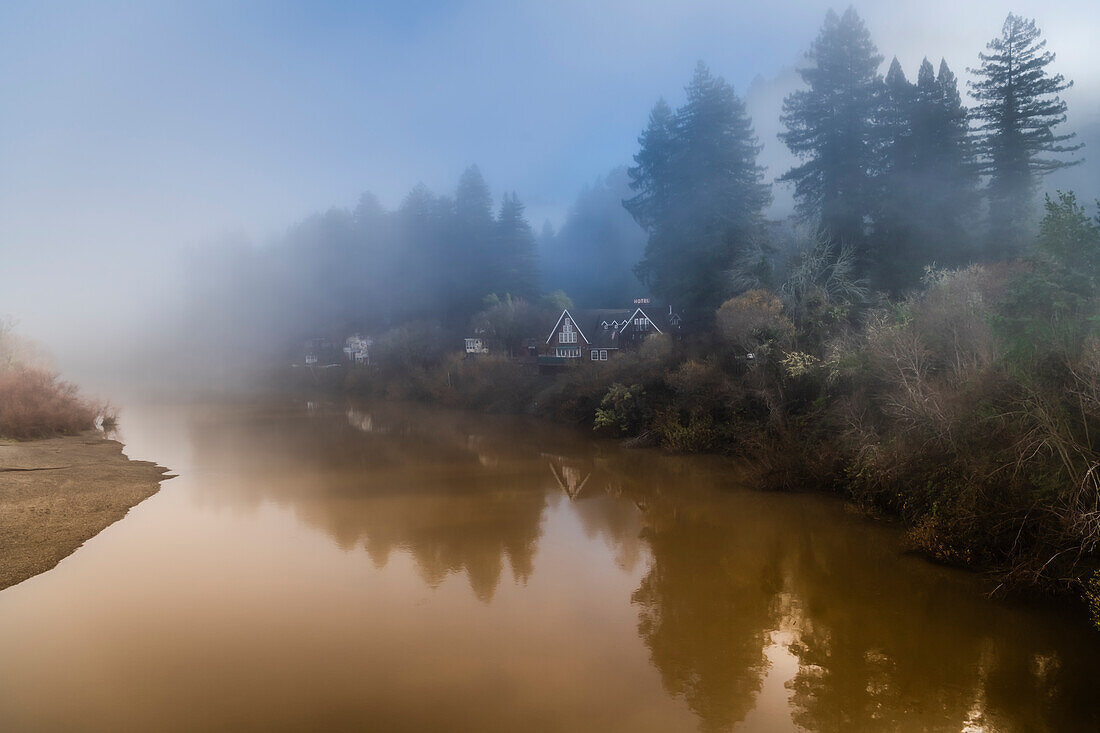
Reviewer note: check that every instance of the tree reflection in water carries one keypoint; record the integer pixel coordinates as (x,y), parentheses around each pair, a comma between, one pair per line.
(386,482)
(881,641)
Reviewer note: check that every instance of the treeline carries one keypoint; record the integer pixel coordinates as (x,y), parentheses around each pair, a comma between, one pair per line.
(892,169)
(902,173)
(432,260)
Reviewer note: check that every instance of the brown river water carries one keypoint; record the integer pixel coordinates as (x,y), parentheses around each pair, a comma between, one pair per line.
(319,567)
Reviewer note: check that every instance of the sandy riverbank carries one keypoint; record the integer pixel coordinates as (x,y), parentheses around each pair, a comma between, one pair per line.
(57,493)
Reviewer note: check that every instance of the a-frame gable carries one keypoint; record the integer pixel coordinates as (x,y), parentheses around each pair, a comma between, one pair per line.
(576,325)
(630,321)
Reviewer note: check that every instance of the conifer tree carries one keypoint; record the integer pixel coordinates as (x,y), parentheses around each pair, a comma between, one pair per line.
(831,127)
(1018,109)
(467,262)
(700,194)
(515,270)
(946,169)
(651,177)
(895,194)
(926,176)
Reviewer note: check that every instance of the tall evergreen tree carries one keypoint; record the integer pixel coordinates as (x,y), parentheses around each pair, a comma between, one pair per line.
(945,166)
(700,193)
(420,242)
(926,176)
(515,270)
(593,253)
(652,175)
(895,194)
(831,127)
(468,261)
(1018,109)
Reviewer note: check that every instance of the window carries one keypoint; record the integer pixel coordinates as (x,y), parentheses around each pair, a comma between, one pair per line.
(603,354)
(568,334)
(595,355)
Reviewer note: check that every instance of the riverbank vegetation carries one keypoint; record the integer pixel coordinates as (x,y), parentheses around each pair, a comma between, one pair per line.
(34,401)
(921,337)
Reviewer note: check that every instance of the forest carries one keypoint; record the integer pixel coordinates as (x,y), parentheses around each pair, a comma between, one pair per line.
(921,337)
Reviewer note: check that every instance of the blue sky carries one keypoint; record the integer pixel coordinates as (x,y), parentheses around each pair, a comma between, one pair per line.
(132,131)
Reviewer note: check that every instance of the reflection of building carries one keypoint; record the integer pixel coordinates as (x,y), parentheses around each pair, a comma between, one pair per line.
(360,420)
(570,478)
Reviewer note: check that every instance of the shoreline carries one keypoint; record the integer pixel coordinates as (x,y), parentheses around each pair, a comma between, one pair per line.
(57,493)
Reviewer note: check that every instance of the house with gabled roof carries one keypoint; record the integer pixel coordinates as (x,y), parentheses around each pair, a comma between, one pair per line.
(596,335)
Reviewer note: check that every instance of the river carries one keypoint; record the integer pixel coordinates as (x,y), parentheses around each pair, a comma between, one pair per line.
(322,567)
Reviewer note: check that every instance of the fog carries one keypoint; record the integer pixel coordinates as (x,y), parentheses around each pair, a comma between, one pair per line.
(149,153)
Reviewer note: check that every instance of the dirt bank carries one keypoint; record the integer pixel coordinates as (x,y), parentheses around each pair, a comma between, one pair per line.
(57,493)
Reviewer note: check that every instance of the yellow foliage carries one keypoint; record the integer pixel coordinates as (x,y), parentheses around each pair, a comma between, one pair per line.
(753,319)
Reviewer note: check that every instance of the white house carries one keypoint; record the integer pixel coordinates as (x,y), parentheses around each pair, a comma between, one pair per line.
(476,346)
(357,348)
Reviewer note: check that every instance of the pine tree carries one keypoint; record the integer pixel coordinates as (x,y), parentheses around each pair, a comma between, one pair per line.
(927,181)
(1018,109)
(831,127)
(422,221)
(470,255)
(515,270)
(896,197)
(651,177)
(593,253)
(946,170)
(700,194)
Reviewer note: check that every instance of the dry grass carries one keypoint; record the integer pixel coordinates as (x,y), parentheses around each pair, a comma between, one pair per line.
(35,403)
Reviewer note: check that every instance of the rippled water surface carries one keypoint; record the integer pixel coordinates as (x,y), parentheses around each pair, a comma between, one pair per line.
(399,569)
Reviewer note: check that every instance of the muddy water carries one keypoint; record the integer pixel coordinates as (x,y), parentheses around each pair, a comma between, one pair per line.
(322,568)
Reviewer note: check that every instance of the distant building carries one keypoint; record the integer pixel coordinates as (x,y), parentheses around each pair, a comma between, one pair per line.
(357,349)
(476,345)
(319,351)
(597,335)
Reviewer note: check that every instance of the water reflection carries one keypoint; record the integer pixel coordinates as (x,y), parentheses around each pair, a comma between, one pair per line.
(384,484)
(880,641)
(707,607)
(593,588)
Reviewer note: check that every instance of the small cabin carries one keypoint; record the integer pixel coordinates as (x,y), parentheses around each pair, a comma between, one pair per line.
(476,345)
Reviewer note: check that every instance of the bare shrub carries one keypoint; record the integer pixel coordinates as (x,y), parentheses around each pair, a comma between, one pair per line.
(952,317)
(34,403)
(754,319)
(698,385)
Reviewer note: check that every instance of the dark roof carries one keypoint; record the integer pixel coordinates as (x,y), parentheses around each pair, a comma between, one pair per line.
(591,323)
